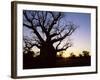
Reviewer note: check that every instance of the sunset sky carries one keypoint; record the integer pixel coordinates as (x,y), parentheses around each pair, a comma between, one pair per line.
(81,38)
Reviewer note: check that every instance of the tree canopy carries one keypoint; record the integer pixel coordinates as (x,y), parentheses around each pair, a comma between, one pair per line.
(49,31)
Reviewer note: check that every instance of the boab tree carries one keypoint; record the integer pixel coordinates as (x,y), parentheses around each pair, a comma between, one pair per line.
(49,31)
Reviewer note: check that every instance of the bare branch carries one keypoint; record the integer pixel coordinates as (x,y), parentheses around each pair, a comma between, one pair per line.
(57,32)
(66,46)
(48,29)
(27,25)
(28,44)
(32,27)
(55,19)
(70,30)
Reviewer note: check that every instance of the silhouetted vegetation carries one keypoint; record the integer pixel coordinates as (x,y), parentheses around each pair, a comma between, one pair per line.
(49,30)
(71,61)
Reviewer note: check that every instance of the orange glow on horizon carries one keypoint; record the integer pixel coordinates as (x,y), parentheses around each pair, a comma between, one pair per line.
(67,53)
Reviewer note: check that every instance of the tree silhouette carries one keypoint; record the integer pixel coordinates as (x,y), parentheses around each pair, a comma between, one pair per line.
(49,31)
(27,45)
(80,55)
(72,55)
(85,53)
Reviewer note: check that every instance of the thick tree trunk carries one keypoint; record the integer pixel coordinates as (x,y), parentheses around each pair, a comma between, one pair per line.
(48,55)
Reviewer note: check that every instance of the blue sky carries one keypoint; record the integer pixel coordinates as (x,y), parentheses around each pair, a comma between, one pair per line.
(81,38)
